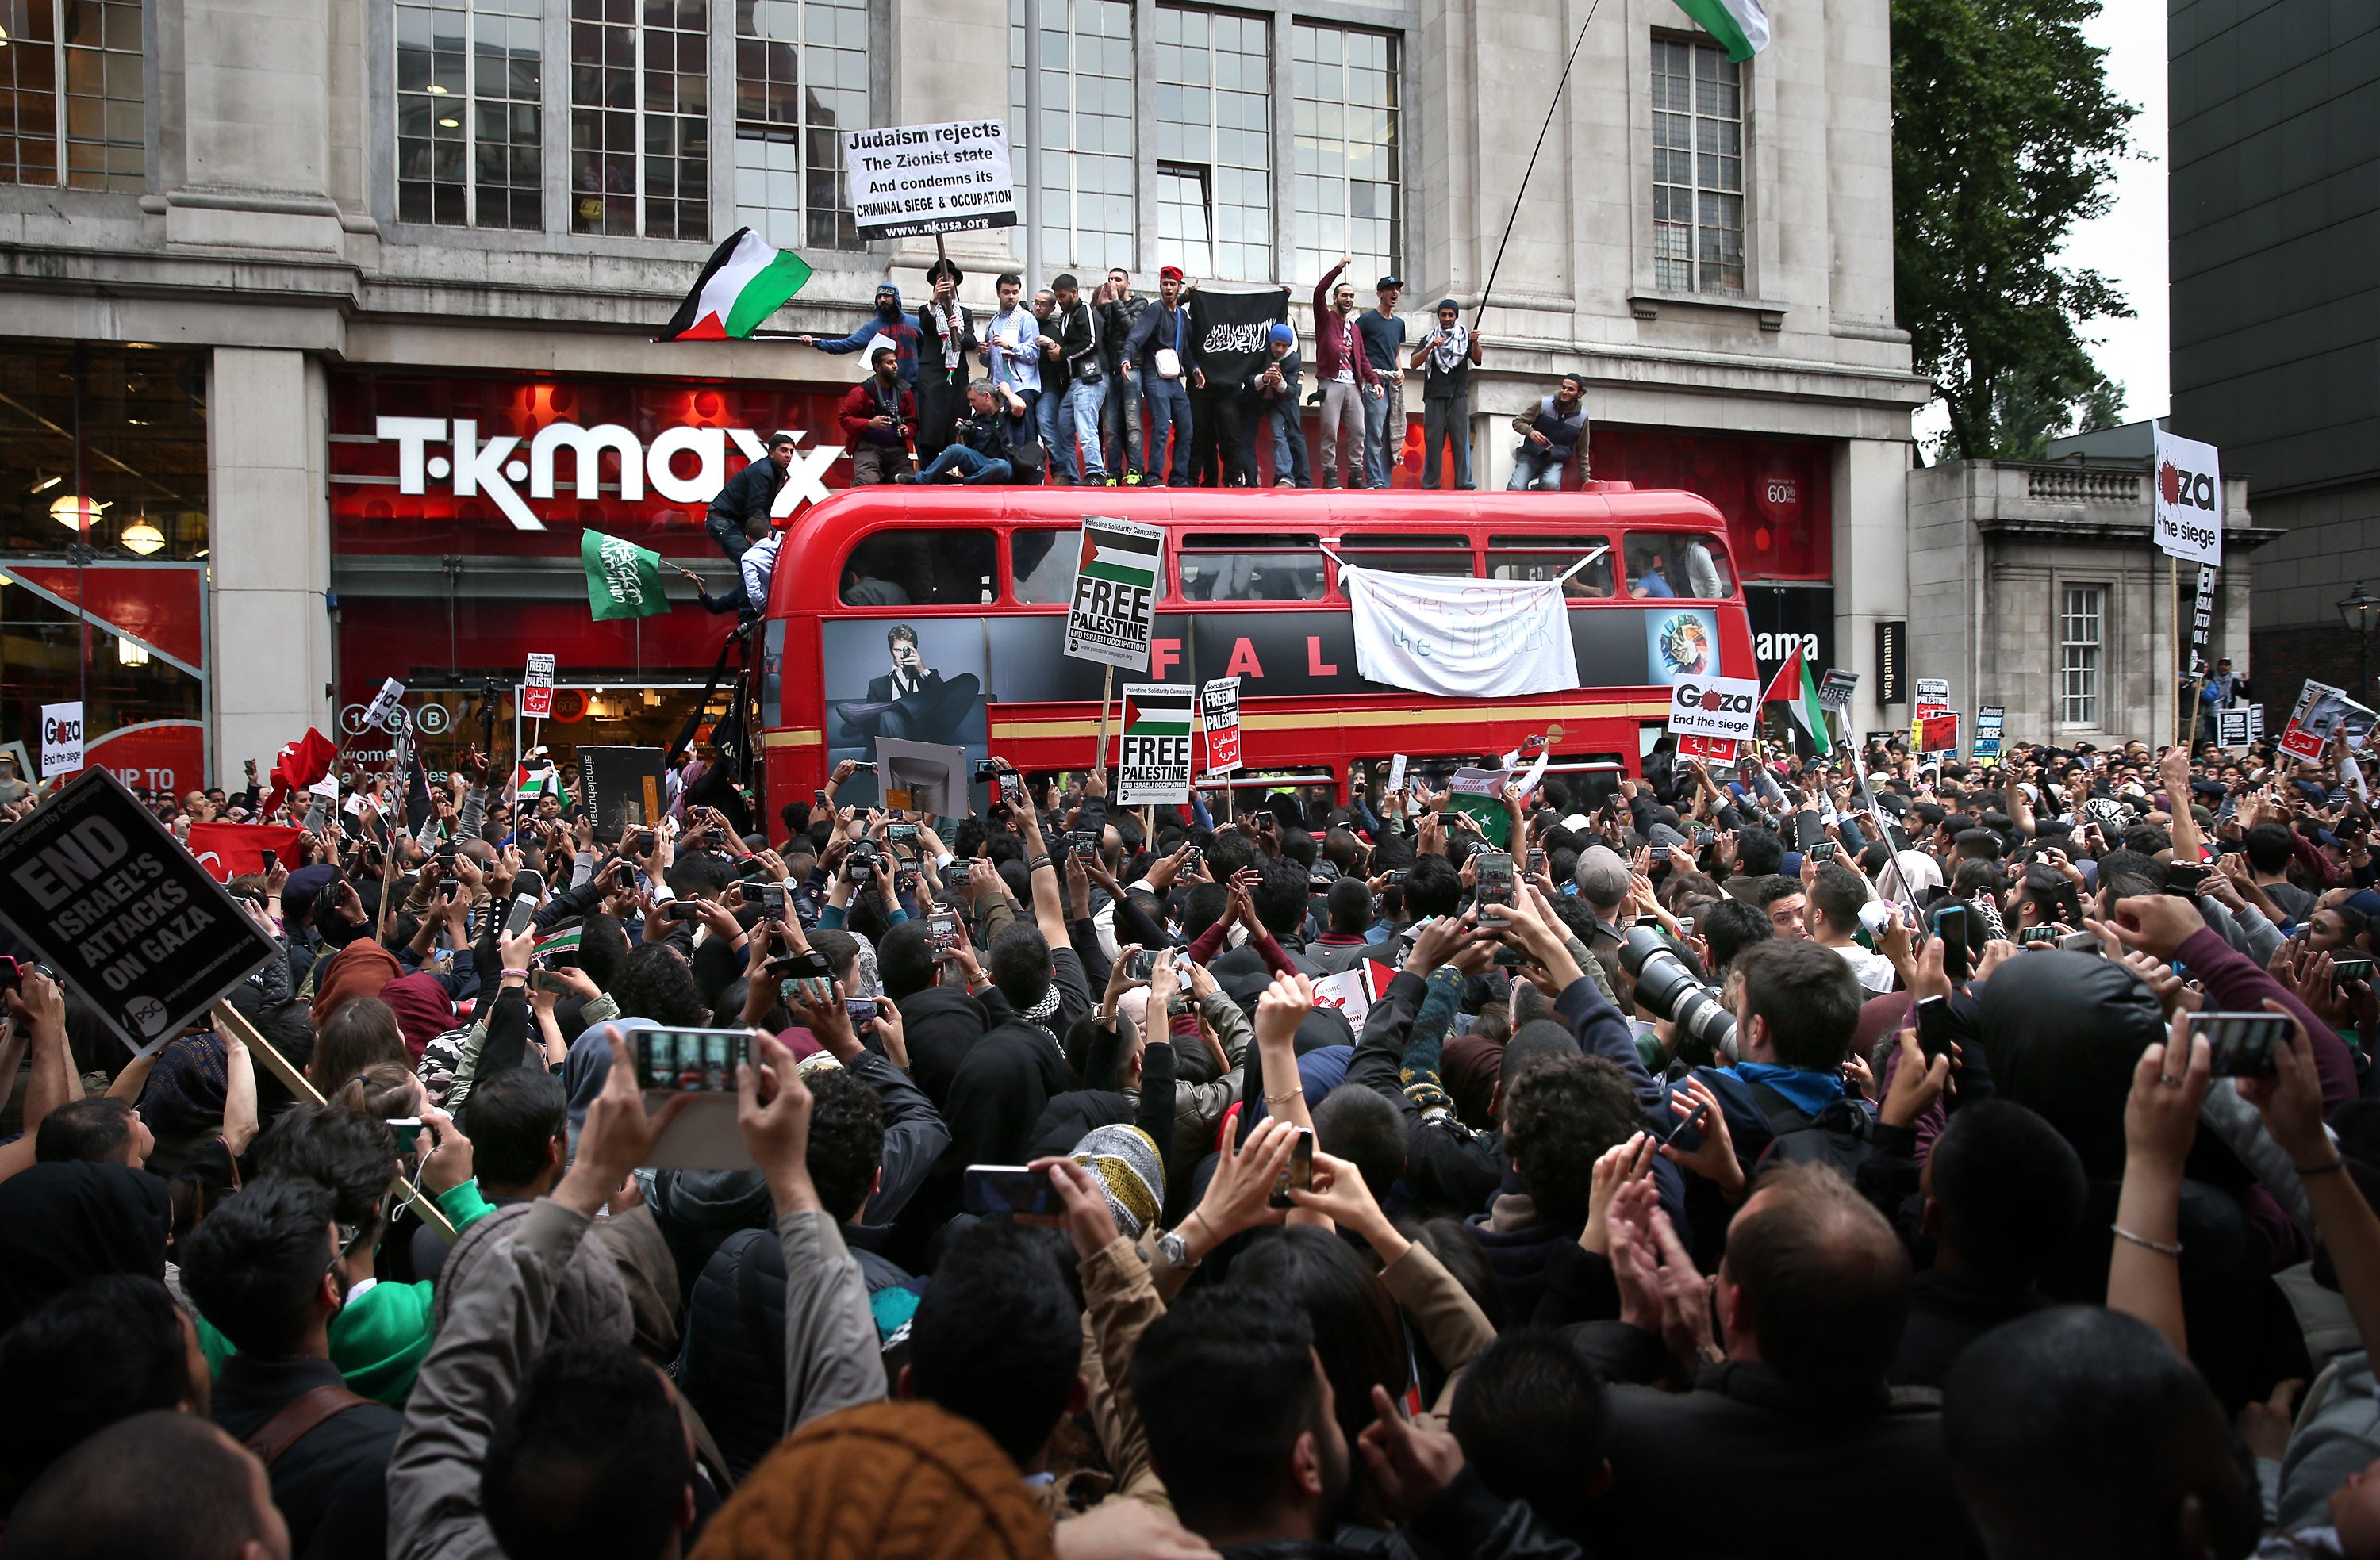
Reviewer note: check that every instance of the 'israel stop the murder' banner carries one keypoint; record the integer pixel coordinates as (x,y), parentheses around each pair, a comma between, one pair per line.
(1114,611)
(126,917)
(1460,639)
(1153,758)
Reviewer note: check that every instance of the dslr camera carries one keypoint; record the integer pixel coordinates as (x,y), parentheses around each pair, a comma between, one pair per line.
(1668,989)
(859,862)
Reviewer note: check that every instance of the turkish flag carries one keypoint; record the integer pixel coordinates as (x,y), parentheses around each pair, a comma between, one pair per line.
(228,850)
(299,764)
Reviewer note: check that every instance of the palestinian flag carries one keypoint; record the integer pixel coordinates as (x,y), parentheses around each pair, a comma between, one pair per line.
(1122,553)
(547,782)
(1157,710)
(745,282)
(1740,27)
(565,942)
(1796,687)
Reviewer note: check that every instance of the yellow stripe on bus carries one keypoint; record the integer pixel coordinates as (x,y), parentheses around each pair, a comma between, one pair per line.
(811,738)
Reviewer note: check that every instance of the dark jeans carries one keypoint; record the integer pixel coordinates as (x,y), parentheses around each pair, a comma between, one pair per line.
(1165,409)
(728,532)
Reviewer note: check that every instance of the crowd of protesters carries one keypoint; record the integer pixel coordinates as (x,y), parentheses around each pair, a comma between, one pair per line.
(1808,1157)
(1108,389)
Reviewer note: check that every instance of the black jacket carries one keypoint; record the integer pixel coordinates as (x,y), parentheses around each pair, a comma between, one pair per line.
(1946,1312)
(940,1024)
(750,492)
(731,1365)
(1245,976)
(332,1484)
(1467,1521)
(1866,1478)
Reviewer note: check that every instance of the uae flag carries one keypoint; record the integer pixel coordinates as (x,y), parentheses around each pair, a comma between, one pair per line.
(1740,27)
(745,282)
(1797,689)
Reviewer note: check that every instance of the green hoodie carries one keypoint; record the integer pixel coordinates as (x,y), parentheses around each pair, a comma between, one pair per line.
(380,1338)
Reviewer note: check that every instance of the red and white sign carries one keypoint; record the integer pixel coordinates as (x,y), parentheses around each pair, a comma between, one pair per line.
(164,755)
(1939,733)
(537,688)
(1218,708)
(229,850)
(1715,750)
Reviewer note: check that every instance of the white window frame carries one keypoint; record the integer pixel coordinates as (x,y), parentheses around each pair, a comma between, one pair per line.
(1706,170)
(759,153)
(2081,655)
(642,34)
(1064,104)
(467,105)
(1311,259)
(1206,162)
(111,59)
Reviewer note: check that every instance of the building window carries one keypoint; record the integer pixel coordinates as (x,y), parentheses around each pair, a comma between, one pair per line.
(1085,132)
(1214,144)
(1350,198)
(71,71)
(801,80)
(1697,169)
(468,125)
(2080,636)
(640,117)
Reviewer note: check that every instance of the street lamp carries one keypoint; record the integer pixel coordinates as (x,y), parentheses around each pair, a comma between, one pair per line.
(2361,611)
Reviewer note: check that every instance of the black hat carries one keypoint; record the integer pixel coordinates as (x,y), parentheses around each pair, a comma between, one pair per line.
(935,271)
(1384,282)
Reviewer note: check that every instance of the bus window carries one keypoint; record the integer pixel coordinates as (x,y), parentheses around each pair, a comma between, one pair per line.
(1690,563)
(1041,565)
(1238,568)
(922,568)
(1410,554)
(1545,558)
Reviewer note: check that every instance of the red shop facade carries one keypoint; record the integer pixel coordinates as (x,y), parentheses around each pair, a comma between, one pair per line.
(457,508)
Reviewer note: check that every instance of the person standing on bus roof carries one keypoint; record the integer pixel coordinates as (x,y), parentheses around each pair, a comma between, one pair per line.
(1272,393)
(1120,422)
(1446,358)
(1011,354)
(877,415)
(1161,352)
(1384,414)
(1550,438)
(750,492)
(1345,373)
(891,322)
(945,335)
(1075,325)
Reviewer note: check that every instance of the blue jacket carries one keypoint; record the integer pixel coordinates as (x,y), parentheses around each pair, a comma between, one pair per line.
(1155,328)
(1561,432)
(902,328)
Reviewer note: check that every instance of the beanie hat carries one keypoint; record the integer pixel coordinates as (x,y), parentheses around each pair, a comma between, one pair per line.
(1282,334)
(305,885)
(896,1481)
(1444,304)
(1125,1160)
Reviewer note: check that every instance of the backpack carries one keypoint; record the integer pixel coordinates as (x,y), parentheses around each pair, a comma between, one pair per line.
(1842,1135)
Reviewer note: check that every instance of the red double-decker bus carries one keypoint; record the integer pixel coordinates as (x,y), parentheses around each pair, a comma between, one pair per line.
(938,614)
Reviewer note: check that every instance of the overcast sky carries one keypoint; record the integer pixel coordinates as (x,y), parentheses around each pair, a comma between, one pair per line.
(2128,244)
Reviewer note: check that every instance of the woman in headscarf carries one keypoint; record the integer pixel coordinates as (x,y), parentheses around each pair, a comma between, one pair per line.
(424,1012)
(1908,875)
(360,968)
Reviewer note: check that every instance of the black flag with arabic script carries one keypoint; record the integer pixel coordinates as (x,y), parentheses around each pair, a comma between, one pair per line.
(1231,328)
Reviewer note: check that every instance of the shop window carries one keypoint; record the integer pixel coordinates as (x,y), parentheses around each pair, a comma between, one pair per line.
(920,568)
(1041,565)
(1410,555)
(1235,568)
(1691,564)
(1547,558)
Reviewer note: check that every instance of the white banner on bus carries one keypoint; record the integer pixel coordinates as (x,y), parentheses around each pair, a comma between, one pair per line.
(1460,639)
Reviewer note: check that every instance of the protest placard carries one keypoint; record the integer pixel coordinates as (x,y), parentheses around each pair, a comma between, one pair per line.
(1114,611)
(913,179)
(1153,754)
(1715,706)
(1218,705)
(127,918)
(537,688)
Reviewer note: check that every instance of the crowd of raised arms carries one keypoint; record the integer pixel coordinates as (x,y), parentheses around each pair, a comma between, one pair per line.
(1814,1157)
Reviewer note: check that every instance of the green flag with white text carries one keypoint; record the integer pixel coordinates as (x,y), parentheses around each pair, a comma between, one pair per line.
(622,579)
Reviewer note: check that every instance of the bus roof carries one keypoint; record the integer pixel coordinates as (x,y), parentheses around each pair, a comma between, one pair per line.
(855,510)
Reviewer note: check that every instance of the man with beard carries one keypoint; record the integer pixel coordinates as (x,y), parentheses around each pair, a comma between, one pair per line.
(945,336)
(876,415)
(1550,438)
(891,323)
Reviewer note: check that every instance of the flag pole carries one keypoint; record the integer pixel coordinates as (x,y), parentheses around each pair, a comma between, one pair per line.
(1107,690)
(1480,317)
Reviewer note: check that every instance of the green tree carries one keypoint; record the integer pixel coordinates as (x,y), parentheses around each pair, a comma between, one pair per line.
(2004,135)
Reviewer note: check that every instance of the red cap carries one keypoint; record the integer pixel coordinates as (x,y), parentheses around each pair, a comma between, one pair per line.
(1169,273)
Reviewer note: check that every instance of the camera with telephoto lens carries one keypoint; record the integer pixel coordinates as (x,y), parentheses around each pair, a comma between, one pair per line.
(1667,989)
(859,862)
